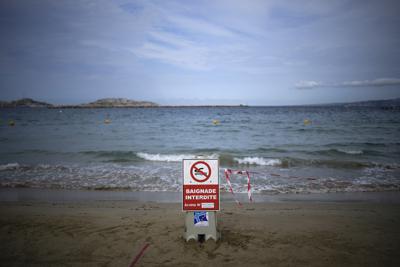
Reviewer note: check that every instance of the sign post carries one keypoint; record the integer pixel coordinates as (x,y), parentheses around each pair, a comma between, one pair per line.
(200,198)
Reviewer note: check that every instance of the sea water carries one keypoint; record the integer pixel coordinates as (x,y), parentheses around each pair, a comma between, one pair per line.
(286,149)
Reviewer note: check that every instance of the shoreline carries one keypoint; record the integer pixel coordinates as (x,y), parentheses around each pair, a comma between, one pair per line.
(64,195)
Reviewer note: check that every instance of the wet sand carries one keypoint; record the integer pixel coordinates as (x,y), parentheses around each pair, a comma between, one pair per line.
(111,233)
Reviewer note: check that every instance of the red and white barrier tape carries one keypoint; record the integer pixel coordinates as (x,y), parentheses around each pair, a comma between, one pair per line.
(228,173)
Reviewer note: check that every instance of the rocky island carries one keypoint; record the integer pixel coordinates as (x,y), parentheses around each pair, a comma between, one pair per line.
(112,103)
(118,103)
(25,103)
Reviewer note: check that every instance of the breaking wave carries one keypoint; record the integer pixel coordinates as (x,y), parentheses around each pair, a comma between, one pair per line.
(337,151)
(258,161)
(164,157)
(9,166)
(171,157)
(350,152)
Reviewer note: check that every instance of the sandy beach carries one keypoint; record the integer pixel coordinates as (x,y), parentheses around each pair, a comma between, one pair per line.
(111,233)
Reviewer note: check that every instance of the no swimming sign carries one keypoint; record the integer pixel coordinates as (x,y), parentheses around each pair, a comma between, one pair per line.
(200,185)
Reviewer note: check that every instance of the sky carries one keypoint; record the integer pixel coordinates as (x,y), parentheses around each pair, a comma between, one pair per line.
(200,52)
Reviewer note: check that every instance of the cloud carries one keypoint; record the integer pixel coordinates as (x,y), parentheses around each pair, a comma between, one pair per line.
(376,82)
(363,83)
(194,44)
(307,84)
(199,26)
(174,50)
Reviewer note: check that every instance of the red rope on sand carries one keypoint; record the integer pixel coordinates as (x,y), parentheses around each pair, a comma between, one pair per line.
(136,259)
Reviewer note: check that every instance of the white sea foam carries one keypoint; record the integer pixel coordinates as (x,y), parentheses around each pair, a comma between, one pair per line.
(9,166)
(258,161)
(351,152)
(171,157)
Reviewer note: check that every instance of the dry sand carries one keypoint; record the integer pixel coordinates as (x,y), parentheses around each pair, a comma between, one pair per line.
(111,233)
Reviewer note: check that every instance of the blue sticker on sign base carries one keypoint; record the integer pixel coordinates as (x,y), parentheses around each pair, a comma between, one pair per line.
(200,218)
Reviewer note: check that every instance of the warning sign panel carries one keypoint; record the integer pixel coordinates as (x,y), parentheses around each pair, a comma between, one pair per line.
(200,185)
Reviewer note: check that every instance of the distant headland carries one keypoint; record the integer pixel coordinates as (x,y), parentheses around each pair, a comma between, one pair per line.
(101,103)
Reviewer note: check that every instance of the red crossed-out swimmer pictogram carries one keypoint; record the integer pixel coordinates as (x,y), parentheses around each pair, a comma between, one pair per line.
(200,171)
